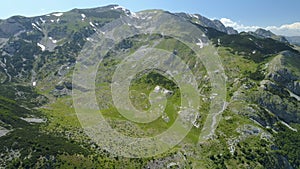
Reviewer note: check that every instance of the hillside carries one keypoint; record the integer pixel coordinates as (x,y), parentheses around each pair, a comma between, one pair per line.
(227,99)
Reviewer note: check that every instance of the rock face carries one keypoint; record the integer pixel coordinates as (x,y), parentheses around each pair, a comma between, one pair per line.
(285,78)
(282,87)
(286,72)
(264,33)
(231,31)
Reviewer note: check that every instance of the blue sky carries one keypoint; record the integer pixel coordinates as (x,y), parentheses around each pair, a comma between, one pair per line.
(256,13)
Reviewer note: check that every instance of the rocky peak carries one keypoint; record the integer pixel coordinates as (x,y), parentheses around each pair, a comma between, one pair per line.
(231,31)
(262,33)
(203,21)
(100,9)
(11,26)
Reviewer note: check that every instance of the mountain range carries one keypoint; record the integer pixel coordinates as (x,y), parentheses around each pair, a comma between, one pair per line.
(39,128)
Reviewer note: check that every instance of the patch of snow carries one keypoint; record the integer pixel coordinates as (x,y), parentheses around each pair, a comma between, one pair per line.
(58,14)
(200,43)
(254,51)
(134,15)
(57,20)
(138,27)
(52,20)
(91,23)
(34,120)
(33,83)
(195,16)
(89,39)
(83,16)
(197,22)
(42,20)
(35,26)
(119,7)
(146,17)
(41,46)
(294,95)
(53,40)
(288,126)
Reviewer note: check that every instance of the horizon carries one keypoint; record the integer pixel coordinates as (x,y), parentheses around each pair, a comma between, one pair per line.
(237,16)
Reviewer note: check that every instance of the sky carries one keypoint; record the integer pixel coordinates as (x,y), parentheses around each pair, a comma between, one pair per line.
(279,16)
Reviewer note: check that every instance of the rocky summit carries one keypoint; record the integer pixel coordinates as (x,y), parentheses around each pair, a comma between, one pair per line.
(257,125)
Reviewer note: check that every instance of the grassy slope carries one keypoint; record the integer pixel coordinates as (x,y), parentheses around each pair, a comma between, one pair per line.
(212,154)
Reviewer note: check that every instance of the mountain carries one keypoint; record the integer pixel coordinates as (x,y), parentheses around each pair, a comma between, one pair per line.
(40,56)
(268,34)
(203,21)
(231,30)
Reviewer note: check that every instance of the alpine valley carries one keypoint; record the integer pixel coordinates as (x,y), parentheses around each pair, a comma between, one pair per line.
(39,128)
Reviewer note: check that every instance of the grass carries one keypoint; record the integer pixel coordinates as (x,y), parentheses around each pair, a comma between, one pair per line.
(235,65)
(62,120)
(62,112)
(140,89)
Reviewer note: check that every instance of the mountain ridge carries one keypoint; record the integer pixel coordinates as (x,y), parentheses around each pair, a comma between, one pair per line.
(258,128)
(203,20)
(268,34)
